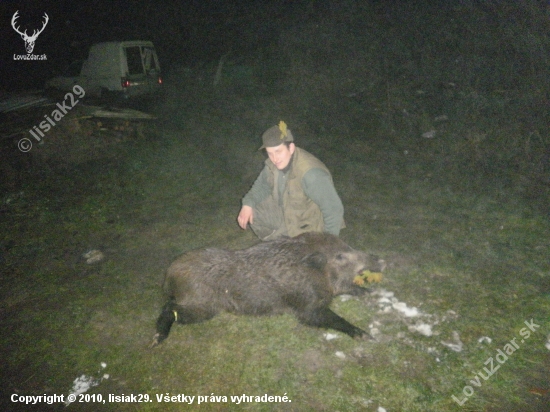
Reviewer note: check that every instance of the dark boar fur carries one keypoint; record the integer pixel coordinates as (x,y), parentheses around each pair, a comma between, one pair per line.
(300,275)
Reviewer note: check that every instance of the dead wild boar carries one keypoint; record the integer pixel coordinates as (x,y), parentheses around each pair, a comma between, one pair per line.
(300,274)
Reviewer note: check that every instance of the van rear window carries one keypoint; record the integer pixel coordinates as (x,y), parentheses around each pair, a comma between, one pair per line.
(133,57)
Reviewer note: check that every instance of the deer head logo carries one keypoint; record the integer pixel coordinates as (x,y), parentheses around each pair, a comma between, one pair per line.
(29,40)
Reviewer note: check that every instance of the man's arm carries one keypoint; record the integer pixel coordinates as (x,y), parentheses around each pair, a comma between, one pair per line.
(259,191)
(319,188)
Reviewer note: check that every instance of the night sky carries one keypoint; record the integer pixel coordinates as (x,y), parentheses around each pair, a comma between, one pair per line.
(185,33)
(189,33)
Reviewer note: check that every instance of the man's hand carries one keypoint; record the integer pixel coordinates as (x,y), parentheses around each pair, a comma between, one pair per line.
(246,216)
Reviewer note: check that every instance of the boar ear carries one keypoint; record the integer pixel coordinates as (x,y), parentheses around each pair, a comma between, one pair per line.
(315,260)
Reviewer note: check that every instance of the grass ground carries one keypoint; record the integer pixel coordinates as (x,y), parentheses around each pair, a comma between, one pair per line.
(471,258)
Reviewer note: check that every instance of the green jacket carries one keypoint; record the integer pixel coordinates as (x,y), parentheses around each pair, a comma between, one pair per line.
(304,191)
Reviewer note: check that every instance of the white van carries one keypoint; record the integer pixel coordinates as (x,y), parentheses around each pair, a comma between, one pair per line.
(126,69)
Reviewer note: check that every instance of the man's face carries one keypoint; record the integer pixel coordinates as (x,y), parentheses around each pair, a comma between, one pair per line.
(280,155)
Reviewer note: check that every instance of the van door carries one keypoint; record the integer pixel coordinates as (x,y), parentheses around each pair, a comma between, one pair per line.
(135,63)
(152,68)
(143,69)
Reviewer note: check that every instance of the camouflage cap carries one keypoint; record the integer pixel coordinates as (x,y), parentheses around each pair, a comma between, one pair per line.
(276,135)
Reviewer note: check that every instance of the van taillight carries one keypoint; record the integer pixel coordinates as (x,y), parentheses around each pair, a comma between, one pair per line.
(125,83)
(160,80)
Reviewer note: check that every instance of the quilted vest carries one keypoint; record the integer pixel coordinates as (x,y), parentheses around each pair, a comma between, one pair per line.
(301,214)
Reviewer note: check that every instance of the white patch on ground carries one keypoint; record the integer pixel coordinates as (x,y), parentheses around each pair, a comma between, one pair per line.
(340,355)
(548,343)
(416,321)
(422,328)
(345,298)
(456,344)
(363,401)
(83,383)
(93,256)
(384,293)
(387,301)
(433,351)
(405,310)
(330,336)
(373,329)
(374,324)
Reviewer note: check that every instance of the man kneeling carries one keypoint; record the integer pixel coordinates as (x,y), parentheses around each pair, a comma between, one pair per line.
(293,194)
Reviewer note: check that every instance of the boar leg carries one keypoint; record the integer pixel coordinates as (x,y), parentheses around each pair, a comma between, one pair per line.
(172,312)
(326,318)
